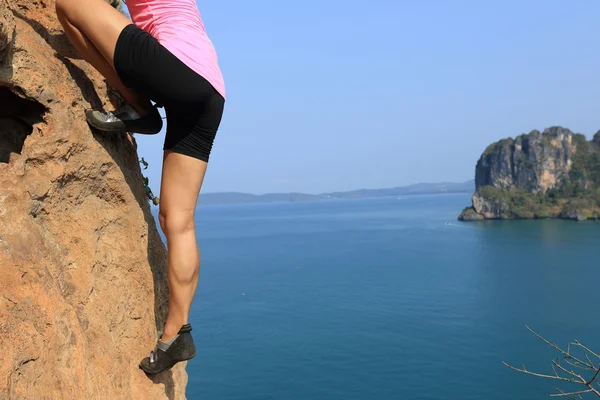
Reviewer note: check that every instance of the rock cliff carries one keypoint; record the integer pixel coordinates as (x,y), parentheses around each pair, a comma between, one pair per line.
(554,174)
(83,270)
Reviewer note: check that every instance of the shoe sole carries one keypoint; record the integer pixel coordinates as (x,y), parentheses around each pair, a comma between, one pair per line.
(171,365)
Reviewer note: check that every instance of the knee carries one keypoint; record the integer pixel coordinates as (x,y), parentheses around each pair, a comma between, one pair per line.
(184,275)
(64,8)
(176,223)
(61,7)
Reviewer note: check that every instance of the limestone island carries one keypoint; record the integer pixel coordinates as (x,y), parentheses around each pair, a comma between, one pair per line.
(553,174)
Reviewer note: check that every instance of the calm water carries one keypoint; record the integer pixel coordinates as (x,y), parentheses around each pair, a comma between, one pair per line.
(385,299)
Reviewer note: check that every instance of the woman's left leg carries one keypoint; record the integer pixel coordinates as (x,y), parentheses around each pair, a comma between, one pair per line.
(182,178)
(93,28)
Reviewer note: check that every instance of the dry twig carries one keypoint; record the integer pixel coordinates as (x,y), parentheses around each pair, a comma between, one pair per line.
(564,374)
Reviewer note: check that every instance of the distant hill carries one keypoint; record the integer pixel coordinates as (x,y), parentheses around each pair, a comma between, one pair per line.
(419,188)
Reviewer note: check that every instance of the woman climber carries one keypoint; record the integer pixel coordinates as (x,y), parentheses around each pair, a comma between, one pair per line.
(165,56)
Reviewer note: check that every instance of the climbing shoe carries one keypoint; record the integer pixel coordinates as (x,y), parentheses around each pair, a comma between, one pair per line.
(125,119)
(165,355)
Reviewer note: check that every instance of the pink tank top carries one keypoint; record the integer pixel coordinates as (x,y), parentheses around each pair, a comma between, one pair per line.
(177,25)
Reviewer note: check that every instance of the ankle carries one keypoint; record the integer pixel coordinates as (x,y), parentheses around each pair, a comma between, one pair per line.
(171,330)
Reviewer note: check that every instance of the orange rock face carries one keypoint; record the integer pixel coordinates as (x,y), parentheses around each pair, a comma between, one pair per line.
(83,286)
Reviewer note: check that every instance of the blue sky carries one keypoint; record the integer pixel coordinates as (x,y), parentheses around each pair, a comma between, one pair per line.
(334,95)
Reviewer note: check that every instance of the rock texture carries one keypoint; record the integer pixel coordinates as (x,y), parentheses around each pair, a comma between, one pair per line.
(535,162)
(538,175)
(83,270)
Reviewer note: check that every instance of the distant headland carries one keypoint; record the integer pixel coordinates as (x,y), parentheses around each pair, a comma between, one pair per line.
(554,174)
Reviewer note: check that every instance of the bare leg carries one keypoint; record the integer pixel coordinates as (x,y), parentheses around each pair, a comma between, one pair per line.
(182,178)
(95,39)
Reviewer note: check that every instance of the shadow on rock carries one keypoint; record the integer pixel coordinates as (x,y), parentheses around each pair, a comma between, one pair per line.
(165,378)
(60,44)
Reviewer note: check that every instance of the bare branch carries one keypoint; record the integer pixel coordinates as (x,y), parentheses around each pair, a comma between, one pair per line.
(593,378)
(577,365)
(569,394)
(539,375)
(590,361)
(572,373)
(555,371)
(554,346)
(573,361)
(577,343)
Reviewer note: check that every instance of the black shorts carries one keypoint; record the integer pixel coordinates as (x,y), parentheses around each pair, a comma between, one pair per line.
(193,107)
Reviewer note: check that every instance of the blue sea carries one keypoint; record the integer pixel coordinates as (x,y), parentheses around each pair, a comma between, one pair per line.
(388,298)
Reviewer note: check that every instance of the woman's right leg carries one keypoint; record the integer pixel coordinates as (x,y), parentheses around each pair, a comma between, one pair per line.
(93,28)
(182,178)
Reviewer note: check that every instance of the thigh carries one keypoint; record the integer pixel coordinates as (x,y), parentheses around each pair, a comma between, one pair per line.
(192,128)
(98,21)
(182,178)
